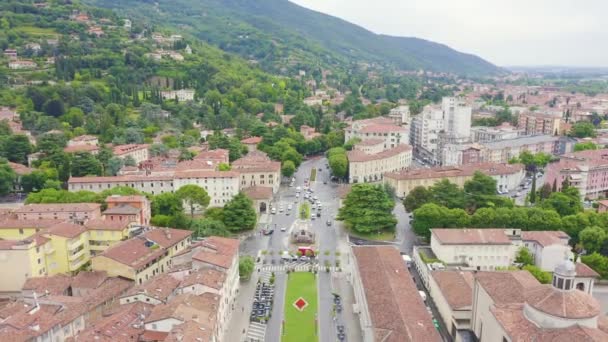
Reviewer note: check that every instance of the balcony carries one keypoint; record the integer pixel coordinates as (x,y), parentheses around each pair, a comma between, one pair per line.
(72,245)
(95,245)
(77,263)
(49,249)
(76,255)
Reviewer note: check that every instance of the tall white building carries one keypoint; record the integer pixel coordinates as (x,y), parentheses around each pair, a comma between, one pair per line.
(457,118)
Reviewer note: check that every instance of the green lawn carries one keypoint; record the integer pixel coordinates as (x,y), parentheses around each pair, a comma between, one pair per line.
(300,326)
(313,175)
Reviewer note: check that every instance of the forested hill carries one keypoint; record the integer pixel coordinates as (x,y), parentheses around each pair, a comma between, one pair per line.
(278,33)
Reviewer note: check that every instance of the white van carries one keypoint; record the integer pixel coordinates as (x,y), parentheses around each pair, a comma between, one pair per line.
(422,295)
(407,259)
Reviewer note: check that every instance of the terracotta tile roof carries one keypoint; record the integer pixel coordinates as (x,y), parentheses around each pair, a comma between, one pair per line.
(466,236)
(66,230)
(190,331)
(585,271)
(122,209)
(124,149)
(59,208)
(219,155)
(153,336)
(506,287)
(382,129)
(252,141)
(89,279)
(456,287)
(101,224)
(55,285)
(40,224)
(167,237)
(258,192)
(109,289)
(491,169)
(396,310)
(546,238)
(196,165)
(14,244)
(218,251)
(20,169)
(566,304)
(126,199)
(370,142)
(188,307)
(120,179)
(256,161)
(133,252)
(159,287)
(208,277)
(205,174)
(118,327)
(357,156)
(512,319)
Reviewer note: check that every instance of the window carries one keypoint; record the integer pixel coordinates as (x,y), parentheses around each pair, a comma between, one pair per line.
(20,231)
(39,261)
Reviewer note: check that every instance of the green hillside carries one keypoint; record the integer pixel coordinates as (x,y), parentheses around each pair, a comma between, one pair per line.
(279,35)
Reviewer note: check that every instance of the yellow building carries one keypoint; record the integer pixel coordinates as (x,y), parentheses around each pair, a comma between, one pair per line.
(105,233)
(71,247)
(143,257)
(14,229)
(20,259)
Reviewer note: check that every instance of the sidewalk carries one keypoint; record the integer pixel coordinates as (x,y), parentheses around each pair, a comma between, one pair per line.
(239,320)
(348,318)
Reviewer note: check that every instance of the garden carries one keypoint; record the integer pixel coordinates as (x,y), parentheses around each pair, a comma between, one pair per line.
(300,323)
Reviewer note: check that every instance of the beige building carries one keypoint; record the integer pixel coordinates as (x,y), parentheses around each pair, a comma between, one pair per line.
(80,212)
(507,176)
(139,152)
(21,259)
(81,140)
(257,169)
(452,293)
(378,128)
(371,161)
(488,249)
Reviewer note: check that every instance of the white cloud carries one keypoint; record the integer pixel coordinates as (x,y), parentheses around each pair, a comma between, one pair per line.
(513,32)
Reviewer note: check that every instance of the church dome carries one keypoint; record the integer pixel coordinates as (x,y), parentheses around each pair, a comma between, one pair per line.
(564,304)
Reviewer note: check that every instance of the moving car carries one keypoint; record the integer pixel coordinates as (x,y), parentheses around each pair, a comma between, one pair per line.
(268,231)
(273,210)
(283,229)
(318,214)
(328,223)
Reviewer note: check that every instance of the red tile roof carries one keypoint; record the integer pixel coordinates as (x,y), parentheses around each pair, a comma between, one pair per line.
(123,149)
(208,277)
(459,171)
(565,304)
(167,237)
(188,307)
(133,252)
(357,156)
(58,208)
(218,251)
(258,192)
(396,310)
(66,230)
(89,280)
(55,285)
(466,236)
(546,238)
(159,287)
(122,325)
(252,141)
(505,287)
(80,148)
(585,271)
(456,287)
(101,224)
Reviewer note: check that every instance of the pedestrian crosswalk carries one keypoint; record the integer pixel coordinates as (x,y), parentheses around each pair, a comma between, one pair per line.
(256,332)
(303,267)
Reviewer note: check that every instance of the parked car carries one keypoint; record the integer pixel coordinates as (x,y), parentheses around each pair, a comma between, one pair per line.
(273,210)
(304,258)
(328,223)
(283,229)
(268,231)
(318,214)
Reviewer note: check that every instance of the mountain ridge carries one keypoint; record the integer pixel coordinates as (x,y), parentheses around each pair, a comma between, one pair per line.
(278,30)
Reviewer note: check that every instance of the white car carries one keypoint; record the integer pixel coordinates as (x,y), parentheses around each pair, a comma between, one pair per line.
(297,195)
(298,189)
(273,210)
(283,229)
(289,207)
(281,209)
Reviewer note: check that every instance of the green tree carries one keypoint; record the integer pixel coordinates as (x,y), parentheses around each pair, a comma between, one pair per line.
(593,238)
(288,168)
(208,227)
(426,217)
(239,214)
(418,197)
(85,164)
(480,184)
(597,262)
(540,275)
(224,167)
(545,191)
(582,129)
(7,178)
(583,146)
(193,196)
(367,208)
(524,257)
(114,165)
(16,148)
(338,161)
(246,266)
(448,194)
(167,204)
(563,204)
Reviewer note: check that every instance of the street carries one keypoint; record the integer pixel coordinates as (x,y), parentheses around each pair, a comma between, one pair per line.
(332,245)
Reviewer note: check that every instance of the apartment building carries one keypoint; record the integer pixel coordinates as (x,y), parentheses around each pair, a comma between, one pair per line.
(106,233)
(504,150)
(585,170)
(400,115)
(378,128)
(70,245)
(144,256)
(21,259)
(488,249)
(128,208)
(370,161)
(139,152)
(221,186)
(483,134)
(457,118)
(77,212)
(507,176)
(539,124)
(257,169)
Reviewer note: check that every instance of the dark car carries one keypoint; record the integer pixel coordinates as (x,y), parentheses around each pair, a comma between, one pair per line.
(268,231)
(318,214)
(328,222)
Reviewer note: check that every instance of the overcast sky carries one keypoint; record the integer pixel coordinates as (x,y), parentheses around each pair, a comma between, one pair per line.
(506,33)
